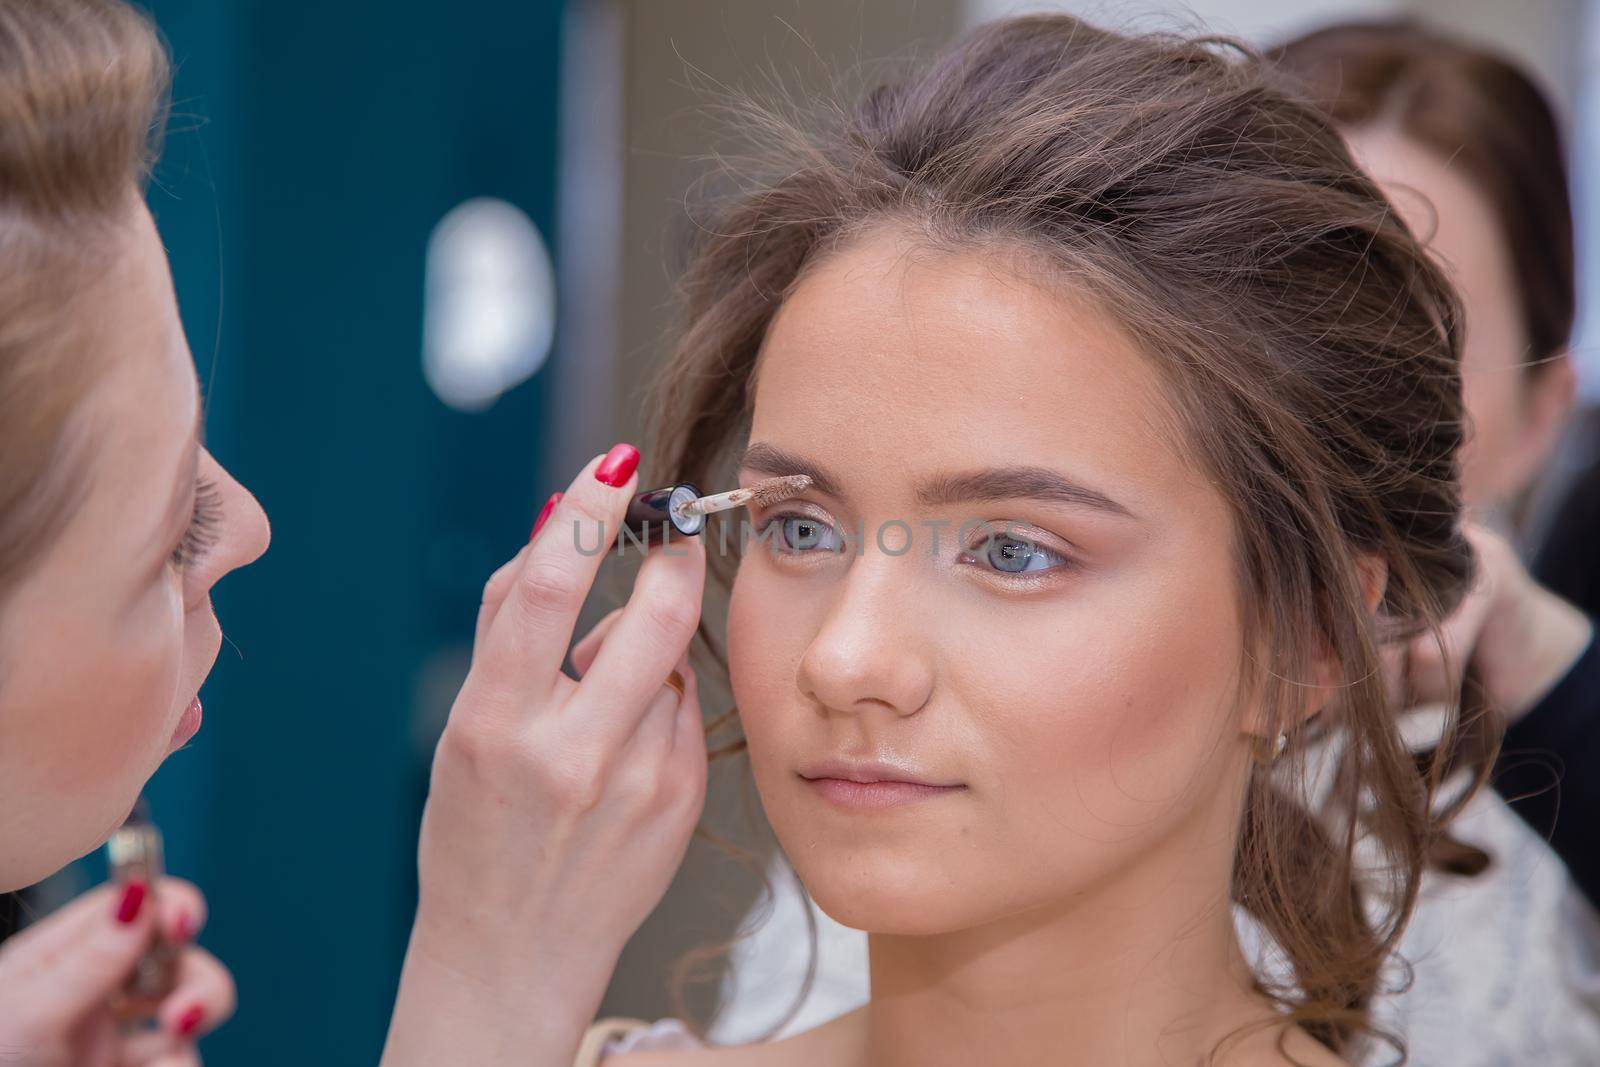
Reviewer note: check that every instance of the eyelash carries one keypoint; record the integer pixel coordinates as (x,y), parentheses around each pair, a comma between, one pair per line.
(201,532)
(1016,578)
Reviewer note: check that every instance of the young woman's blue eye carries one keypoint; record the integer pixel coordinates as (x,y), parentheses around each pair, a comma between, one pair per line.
(802,533)
(1016,555)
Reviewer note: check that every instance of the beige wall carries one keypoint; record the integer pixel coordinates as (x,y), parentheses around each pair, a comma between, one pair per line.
(1545,34)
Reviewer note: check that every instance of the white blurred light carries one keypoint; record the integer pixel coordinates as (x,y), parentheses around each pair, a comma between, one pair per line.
(489,303)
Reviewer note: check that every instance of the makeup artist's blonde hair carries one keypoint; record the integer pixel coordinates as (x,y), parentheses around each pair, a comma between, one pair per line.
(1311,350)
(83,89)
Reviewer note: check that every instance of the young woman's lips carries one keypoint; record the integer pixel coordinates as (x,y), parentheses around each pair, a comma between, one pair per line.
(874,796)
(188,725)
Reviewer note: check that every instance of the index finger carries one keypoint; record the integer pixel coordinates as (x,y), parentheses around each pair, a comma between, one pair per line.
(649,637)
(527,641)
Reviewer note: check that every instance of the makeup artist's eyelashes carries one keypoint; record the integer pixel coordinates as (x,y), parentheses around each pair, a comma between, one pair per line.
(201,532)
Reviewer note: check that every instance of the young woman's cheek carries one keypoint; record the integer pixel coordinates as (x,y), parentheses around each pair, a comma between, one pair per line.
(1101,709)
(765,645)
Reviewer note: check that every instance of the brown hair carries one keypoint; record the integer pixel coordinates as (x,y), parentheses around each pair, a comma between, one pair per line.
(1308,341)
(1479,111)
(83,89)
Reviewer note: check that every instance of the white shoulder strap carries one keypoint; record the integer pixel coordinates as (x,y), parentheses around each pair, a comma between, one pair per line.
(601,1031)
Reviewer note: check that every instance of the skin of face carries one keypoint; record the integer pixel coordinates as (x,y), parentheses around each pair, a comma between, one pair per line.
(1090,707)
(1515,412)
(105,643)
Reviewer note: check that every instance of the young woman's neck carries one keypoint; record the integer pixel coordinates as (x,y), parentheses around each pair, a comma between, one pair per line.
(1142,969)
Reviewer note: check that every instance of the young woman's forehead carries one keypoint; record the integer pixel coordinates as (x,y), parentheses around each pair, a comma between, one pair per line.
(950,362)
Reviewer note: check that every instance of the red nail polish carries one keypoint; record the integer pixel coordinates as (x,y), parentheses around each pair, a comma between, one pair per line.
(132,901)
(544,513)
(189,1021)
(183,929)
(618,466)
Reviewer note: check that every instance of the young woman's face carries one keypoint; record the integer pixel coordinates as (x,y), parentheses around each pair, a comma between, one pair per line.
(104,646)
(1081,691)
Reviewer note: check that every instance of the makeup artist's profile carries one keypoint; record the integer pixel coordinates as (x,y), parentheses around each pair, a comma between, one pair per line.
(115,524)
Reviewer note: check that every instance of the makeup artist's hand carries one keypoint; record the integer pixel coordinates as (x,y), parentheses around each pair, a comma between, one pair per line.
(58,975)
(559,809)
(1521,637)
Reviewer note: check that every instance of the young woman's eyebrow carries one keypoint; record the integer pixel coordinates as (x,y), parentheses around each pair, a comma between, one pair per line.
(948,487)
(770,461)
(1015,483)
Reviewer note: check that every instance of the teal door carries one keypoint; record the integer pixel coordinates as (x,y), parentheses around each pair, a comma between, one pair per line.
(313,149)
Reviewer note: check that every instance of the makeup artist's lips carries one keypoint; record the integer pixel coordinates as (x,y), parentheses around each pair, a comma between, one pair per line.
(188,725)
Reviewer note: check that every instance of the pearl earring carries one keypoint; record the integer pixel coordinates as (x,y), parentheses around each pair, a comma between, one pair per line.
(1279,743)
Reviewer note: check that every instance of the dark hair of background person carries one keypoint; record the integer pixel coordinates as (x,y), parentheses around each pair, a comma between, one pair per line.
(1479,110)
(1223,223)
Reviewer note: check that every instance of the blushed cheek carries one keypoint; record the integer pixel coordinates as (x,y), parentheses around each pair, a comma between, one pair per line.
(765,647)
(1115,730)
(753,655)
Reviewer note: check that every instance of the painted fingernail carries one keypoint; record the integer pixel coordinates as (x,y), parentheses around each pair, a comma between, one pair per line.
(544,513)
(189,1021)
(183,929)
(618,466)
(132,901)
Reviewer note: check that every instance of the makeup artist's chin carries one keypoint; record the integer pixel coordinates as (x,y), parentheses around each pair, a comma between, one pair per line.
(188,725)
(190,712)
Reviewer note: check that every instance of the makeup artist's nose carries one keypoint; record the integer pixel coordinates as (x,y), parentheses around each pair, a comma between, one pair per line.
(244,531)
(868,652)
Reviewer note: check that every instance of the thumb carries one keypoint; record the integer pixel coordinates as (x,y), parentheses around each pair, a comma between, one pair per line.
(101,937)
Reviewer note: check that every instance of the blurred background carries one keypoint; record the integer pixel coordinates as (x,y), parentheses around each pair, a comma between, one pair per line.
(425,255)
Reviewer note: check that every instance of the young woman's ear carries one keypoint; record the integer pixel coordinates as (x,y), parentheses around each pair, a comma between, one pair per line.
(1372,572)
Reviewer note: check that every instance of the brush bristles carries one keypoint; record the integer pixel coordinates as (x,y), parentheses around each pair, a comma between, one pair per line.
(773,490)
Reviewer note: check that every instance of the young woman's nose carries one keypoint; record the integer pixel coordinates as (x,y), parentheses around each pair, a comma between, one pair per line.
(868,652)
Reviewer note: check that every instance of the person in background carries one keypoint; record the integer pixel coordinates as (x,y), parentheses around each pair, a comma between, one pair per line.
(1469,150)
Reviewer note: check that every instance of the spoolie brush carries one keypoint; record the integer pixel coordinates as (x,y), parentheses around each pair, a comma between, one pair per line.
(658,515)
(764,493)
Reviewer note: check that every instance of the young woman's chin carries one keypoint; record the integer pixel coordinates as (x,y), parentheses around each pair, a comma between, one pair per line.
(924,909)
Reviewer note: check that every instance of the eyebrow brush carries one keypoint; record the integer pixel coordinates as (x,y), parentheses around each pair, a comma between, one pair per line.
(764,493)
(658,515)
